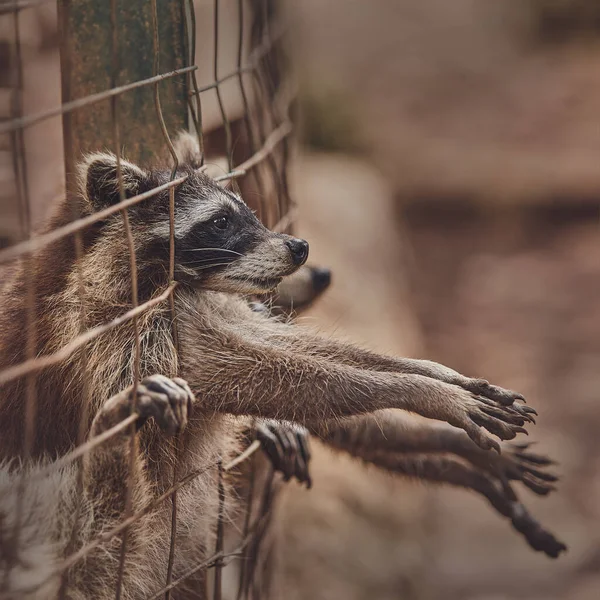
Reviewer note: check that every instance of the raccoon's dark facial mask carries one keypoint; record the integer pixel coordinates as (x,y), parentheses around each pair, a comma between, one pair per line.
(222,246)
(219,243)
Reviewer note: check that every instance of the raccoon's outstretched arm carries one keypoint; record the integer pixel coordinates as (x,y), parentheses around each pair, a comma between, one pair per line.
(232,373)
(394,432)
(354,356)
(440,469)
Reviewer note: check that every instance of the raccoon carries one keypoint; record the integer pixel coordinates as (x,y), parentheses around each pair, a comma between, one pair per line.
(236,362)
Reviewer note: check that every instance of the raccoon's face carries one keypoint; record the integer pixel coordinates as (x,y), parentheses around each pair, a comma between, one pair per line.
(219,243)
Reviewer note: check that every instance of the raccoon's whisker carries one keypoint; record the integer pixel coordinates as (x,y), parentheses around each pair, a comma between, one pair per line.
(212,250)
(226,260)
(216,257)
(208,266)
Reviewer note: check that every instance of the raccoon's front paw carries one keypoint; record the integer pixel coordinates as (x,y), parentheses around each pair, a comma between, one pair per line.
(167,401)
(476,414)
(518,464)
(287,447)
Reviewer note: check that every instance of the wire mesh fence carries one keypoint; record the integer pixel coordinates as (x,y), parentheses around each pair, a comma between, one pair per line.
(254,142)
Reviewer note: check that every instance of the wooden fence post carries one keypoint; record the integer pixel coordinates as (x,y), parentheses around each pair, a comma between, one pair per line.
(87,66)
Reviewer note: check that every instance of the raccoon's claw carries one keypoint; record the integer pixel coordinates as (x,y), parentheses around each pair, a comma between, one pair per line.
(287,447)
(515,415)
(168,401)
(482,387)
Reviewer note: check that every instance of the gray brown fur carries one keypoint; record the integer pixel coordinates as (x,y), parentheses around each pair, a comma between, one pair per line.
(237,362)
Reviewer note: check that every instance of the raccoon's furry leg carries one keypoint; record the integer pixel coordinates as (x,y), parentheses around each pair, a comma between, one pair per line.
(391,440)
(441,469)
(404,445)
(354,356)
(395,432)
(107,474)
(268,381)
(107,466)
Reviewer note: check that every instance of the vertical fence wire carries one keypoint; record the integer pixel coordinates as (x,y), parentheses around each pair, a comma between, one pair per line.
(174,330)
(266,76)
(246,529)
(217,592)
(226,123)
(260,38)
(246,111)
(266,134)
(251,583)
(194,101)
(24,207)
(134,292)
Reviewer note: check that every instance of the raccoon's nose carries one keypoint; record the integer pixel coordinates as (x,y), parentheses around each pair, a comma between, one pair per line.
(298,250)
(321,278)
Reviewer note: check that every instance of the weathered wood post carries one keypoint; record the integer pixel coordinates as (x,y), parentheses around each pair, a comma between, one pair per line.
(89,67)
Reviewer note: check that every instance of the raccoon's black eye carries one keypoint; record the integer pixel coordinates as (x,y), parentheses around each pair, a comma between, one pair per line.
(221,222)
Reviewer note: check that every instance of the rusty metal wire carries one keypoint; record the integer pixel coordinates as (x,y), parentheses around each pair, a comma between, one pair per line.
(167,139)
(195,107)
(134,291)
(23,202)
(267,128)
(226,124)
(67,107)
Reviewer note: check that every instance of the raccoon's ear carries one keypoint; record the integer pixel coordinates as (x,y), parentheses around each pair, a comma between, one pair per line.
(100,183)
(187,150)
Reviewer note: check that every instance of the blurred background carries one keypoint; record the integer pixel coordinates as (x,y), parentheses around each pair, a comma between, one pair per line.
(447,171)
(450,177)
